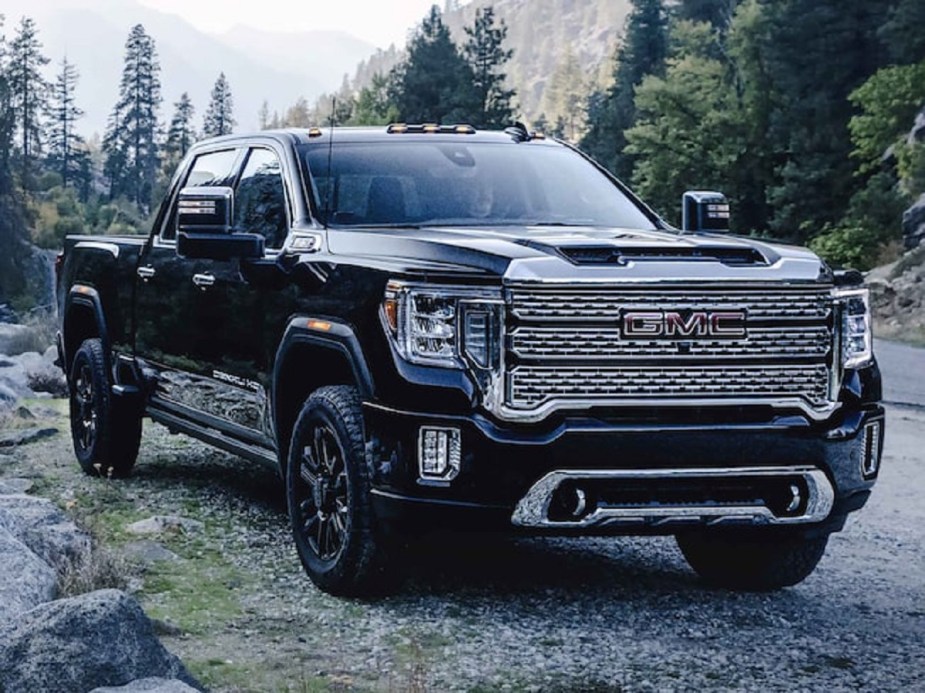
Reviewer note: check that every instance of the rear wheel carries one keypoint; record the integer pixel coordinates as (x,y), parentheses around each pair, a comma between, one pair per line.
(752,561)
(328,492)
(106,437)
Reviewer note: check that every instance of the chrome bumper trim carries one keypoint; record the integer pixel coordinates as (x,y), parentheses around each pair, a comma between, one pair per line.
(533,509)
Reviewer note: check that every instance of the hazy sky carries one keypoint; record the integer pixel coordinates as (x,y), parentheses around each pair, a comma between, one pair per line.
(380,22)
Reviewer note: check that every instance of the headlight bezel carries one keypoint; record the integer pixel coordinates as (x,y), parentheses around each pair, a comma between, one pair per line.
(417,316)
(854,326)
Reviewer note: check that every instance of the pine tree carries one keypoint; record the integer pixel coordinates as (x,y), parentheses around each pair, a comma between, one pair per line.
(435,83)
(717,13)
(644,51)
(66,148)
(180,135)
(486,54)
(29,92)
(219,119)
(130,143)
(813,71)
(263,115)
(373,106)
(7,120)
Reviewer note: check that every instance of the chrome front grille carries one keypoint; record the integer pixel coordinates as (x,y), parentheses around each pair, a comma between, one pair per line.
(565,348)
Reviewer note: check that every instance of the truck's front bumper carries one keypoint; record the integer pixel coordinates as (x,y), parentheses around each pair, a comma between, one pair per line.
(500,465)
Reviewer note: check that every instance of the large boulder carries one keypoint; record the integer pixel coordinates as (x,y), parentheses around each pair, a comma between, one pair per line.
(25,579)
(39,524)
(98,639)
(914,224)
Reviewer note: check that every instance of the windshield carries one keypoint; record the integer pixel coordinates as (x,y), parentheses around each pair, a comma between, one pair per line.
(442,183)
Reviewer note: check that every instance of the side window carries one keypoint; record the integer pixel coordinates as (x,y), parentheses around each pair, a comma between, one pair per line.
(260,199)
(214,168)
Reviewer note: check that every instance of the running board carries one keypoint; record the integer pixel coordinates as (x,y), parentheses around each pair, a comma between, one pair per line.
(576,499)
(178,424)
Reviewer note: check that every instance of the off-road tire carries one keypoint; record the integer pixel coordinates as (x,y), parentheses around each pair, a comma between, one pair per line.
(755,561)
(354,563)
(106,437)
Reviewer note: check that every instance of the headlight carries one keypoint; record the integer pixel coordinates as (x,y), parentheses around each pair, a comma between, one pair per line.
(856,340)
(446,326)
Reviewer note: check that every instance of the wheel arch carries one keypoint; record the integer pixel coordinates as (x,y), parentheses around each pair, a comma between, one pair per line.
(314,352)
(83,319)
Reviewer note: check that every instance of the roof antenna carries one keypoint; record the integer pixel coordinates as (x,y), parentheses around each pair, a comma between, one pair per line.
(327,192)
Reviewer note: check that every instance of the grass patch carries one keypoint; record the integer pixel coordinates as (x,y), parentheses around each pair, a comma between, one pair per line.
(199,595)
(251,676)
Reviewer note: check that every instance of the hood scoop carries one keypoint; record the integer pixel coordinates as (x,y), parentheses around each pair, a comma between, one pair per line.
(609,255)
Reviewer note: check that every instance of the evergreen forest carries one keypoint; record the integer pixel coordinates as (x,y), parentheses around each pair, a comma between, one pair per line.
(799,110)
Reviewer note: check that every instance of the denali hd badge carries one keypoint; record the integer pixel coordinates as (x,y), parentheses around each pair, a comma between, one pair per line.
(695,323)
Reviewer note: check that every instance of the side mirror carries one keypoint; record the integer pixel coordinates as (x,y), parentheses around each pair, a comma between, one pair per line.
(204,226)
(704,211)
(205,210)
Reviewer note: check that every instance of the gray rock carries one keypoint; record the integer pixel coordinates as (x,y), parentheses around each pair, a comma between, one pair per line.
(98,639)
(25,436)
(914,224)
(148,552)
(917,134)
(25,579)
(39,524)
(151,685)
(159,524)
(15,485)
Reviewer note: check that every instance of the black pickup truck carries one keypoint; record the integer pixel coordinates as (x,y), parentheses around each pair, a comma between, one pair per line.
(431,326)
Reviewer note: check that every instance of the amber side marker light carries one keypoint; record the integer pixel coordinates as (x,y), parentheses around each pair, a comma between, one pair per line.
(320,325)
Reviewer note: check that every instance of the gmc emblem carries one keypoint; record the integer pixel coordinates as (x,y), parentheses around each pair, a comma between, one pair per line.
(696,323)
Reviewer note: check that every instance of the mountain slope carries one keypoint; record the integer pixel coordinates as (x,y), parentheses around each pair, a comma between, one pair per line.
(190,59)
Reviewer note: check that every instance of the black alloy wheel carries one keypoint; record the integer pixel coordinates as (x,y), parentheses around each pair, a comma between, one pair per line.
(106,436)
(322,484)
(337,538)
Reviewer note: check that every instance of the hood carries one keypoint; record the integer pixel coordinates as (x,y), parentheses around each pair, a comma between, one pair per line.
(577,253)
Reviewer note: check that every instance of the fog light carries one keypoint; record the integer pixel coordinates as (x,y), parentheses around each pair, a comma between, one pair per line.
(439,452)
(873,446)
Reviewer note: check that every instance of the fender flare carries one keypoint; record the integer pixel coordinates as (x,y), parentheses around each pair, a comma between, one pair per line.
(88,298)
(328,334)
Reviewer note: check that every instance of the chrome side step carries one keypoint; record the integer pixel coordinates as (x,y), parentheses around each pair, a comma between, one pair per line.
(803,495)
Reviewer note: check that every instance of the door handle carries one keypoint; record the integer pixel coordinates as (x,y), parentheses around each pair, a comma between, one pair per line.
(146,273)
(203,281)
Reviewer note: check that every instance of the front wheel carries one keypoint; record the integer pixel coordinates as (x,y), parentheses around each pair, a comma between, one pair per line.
(106,437)
(752,561)
(328,493)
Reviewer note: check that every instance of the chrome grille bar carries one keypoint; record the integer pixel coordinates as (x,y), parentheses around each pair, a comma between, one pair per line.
(600,304)
(531,386)
(568,342)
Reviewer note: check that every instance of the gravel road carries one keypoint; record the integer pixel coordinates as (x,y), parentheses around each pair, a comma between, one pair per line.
(503,614)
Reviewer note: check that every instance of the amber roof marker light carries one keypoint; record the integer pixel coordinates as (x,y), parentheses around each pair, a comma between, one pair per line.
(430,129)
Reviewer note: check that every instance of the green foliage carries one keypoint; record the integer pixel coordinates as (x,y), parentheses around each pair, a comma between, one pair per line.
(180,137)
(687,131)
(903,33)
(888,103)
(373,106)
(610,115)
(817,52)
(850,246)
(717,13)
